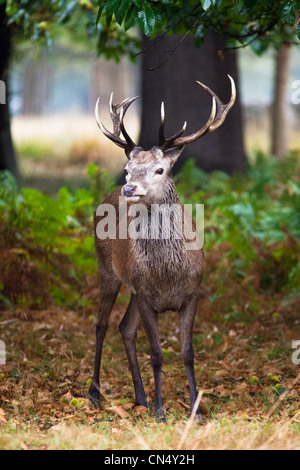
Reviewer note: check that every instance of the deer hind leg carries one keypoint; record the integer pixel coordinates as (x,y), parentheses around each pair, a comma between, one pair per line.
(187,317)
(128,329)
(150,323)
(108,298)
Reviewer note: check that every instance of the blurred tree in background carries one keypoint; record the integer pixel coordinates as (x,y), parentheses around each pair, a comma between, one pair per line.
(7,157)
(115,26)
(174,83)
(219,27)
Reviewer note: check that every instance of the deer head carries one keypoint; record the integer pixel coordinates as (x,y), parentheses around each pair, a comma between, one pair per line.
(148,173)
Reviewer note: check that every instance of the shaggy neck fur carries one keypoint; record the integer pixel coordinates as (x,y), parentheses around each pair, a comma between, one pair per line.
(160,245)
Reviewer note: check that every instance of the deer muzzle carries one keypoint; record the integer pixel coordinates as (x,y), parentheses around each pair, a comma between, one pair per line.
(128,190)
(133,192)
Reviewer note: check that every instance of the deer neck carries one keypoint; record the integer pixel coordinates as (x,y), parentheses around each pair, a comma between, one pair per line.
(158,241)
(170,195)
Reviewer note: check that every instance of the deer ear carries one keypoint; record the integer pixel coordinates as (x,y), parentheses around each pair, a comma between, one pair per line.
(133,153)
(173,154)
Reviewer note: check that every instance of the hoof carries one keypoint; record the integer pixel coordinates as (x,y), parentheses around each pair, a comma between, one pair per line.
(199,418)
(160,416)
(143,403)
(94,397)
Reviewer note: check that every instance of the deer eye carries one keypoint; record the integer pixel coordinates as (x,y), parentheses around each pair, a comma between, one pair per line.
(159,171)
(125,172)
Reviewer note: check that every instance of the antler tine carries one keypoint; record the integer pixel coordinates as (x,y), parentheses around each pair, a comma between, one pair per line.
(122,127)
(163,142)
(114,137)
(218,114)
(113,109)
(162,124)
(118,125)
(222,109)
(181,142)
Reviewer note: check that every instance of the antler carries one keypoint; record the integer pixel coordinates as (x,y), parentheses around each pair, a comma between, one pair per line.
(218,114)
(118,123)
(222,109)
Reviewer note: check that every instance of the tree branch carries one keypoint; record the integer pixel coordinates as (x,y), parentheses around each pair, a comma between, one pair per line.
(172,51)
(159,38)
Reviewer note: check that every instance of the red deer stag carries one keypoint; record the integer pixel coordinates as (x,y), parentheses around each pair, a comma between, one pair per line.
(161,274)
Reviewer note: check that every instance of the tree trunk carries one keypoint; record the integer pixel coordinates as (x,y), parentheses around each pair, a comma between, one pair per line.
(174,83)
(37,84)
(7,155)
(279,116)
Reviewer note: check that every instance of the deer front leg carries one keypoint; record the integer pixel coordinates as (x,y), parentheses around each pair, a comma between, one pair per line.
(107,303)
(187,317)
(128,329)
(150,323)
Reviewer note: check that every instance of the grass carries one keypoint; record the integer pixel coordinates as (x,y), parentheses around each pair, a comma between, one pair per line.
(239,433)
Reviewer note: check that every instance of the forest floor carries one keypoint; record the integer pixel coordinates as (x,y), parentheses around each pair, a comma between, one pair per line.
(244,367)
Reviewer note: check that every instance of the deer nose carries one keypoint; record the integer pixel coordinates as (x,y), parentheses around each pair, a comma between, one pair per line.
(128,190)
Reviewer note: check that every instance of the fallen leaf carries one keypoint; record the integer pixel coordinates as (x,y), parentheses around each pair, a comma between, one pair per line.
(226,364)
(139,410)
(222,391)
(222,373)
(24,446)
(2,417)
(66,398)
(128,406)
(119,411)
(241,387)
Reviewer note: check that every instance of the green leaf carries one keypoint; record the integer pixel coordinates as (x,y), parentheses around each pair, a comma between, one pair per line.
(68,12)
(158,15)
(146,19)
(288,13)
(100,11)
(16,17)
(250,3)
(206,4)
(298,31)
(111,6)
(131,17)
(108,19)
(199,35)
(102,39)
(122,10)
(238,5)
